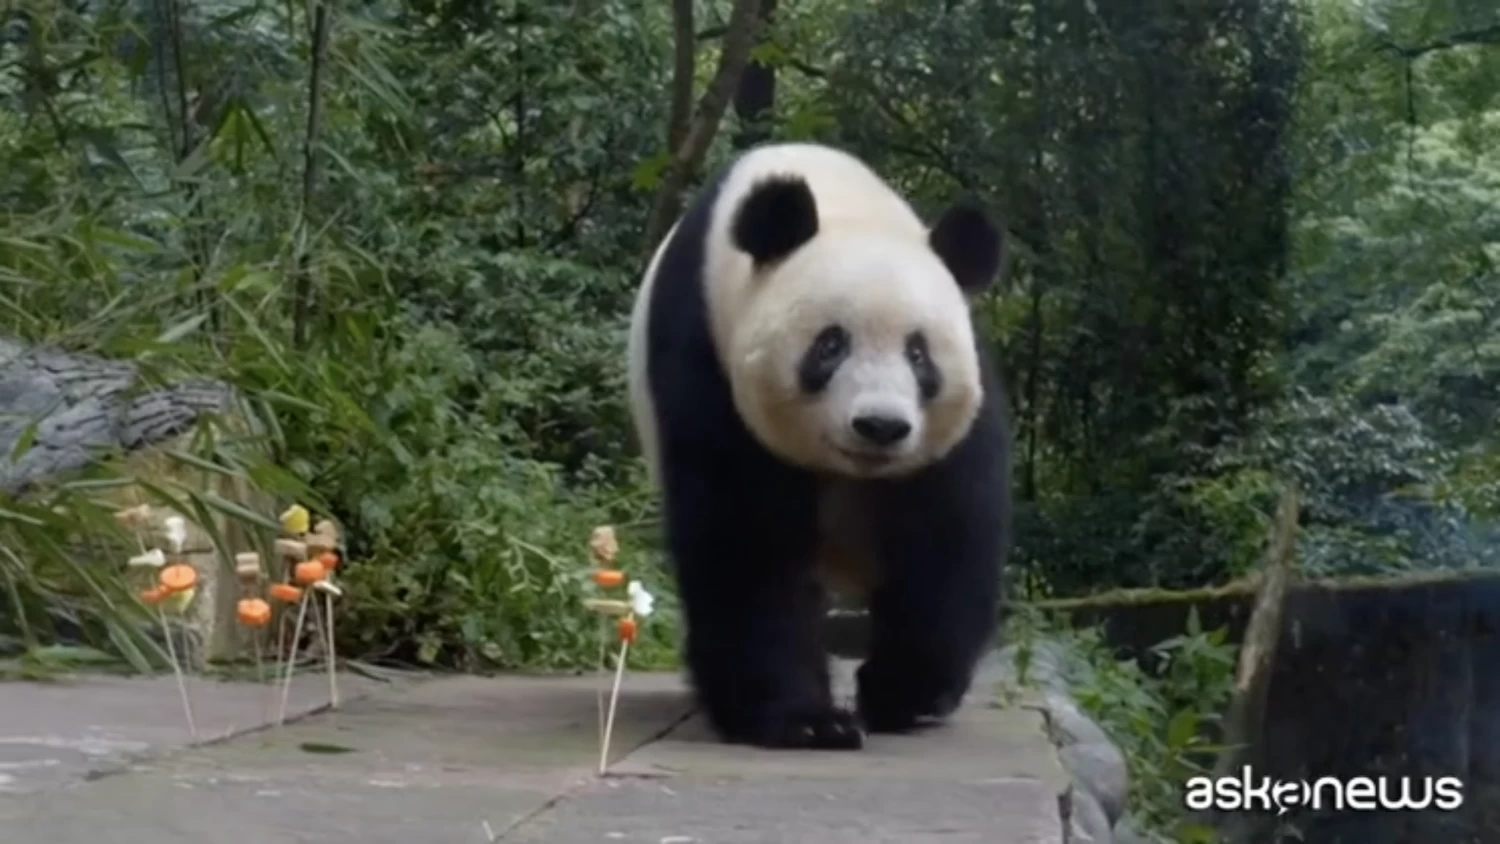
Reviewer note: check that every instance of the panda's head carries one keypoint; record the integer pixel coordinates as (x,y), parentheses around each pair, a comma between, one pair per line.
(853,351)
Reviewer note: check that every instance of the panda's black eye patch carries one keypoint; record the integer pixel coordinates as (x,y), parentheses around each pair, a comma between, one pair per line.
(823,358)
(929,379)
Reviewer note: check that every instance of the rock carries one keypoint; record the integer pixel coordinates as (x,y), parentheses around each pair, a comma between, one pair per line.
(1100,769)
(1067,723)
(1100,779)
(1086,820)
(60,412)
(1127,832)
(82,405)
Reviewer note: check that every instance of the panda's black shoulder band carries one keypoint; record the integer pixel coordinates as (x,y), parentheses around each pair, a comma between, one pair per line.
(776,217)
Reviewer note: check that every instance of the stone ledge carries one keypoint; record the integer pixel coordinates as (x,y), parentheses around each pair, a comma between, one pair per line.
(1094,805)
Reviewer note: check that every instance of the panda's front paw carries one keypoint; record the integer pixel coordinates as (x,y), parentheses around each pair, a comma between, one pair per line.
(815,729)
(890,703)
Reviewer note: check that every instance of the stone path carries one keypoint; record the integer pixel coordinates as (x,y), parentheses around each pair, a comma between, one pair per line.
(457,759)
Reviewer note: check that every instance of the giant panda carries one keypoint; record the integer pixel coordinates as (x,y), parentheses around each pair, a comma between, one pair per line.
(817,412)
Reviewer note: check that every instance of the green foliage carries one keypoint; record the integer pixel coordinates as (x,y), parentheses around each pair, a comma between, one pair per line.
(458,402)
(1252,243)
(473,556)
(1376,485)
(54,590)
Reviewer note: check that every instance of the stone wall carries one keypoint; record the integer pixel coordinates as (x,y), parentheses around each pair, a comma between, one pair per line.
(1094,808)
(1394,676)
(74,408)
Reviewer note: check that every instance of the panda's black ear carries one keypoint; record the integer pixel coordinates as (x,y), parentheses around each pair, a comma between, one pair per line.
(970,244)
(777,216)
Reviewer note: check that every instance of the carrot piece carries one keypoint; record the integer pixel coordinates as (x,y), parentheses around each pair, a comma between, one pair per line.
(329,560)
(627,629)
(253,612)
(285,592)
(178,577)
(309,572)
(608,577)
(154,596)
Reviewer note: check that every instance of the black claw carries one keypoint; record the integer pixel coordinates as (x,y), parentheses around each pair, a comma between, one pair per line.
(832,729)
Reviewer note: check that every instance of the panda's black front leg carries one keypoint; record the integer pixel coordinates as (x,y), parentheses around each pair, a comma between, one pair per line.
(758,670)
(743,557)
(936,610)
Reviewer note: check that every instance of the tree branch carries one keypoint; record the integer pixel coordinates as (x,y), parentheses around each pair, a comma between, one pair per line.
(743,24)
(1483,35)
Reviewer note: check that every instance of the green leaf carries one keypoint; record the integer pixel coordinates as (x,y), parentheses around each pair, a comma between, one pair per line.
(1182,729)
(238,511)
(25,441)
(11,515)
(181,329)
(197,462)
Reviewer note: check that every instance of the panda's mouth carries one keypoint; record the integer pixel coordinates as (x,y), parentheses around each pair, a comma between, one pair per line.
(867,459)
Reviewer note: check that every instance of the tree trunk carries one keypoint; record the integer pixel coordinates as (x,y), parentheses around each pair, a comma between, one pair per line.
(1245,721)
(302,298)
(755,98)
(688,157)
(683,53)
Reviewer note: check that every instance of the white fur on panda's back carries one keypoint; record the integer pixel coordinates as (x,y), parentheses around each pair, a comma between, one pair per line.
(642,409)
(849,195)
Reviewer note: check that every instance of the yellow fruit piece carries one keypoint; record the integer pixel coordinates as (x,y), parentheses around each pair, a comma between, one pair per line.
(295,520)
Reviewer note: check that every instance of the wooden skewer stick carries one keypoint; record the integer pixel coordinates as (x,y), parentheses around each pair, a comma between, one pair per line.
(603,655)
(330,657)
(187,705)
(260,669)
(614,698)
(333,662)
(280,644)
(291,660)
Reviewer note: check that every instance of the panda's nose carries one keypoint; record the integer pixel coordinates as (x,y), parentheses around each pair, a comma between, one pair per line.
(882,430)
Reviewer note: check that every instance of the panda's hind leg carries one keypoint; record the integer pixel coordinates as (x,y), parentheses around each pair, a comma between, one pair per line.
(742,546)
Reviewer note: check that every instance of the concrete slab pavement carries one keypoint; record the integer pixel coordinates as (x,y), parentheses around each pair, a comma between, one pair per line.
(84,726)
(443,760)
